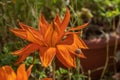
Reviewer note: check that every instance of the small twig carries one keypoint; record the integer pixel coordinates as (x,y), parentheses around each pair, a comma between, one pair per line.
(107,57)
(89,74)
(69,74)
(53,69)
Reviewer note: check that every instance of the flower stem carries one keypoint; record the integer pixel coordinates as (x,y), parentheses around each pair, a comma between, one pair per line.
(89,74)
(78,65)
(107,60)
(53,68)
(69,74)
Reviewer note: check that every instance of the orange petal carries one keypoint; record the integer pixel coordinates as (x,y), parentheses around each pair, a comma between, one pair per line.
(79,43)
(78,53)
(19,32)
(28,49)
(54,39)
(34,36)
(76,44)
(79,27)
(28,28)
(29,70)
(65,21)
(67,33)
(43,24)
(7,73)
(29,33)
(56,34)
(68,40)
(72,51)
(65,57)
(48,35)
(51,35)
(47,55)
(81,55)
(42,20)
(24,52)
(3,75)
(46,79)
(21,73)
(57,20)
(23,26)
(56,27)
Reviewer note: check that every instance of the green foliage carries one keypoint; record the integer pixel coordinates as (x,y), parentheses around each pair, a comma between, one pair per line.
(106,9)
(7,59)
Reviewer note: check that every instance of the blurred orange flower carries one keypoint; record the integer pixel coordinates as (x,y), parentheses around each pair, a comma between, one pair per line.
(7,73)
(50,40)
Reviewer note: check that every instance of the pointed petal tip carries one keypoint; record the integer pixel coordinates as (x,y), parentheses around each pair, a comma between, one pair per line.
(67,9)
(85,47)
(81,55)
(14,53)
(12,30)
(45,66)
(72,66)
(21,24)
(79,27)
(29,70)
(65,21)
(16,63)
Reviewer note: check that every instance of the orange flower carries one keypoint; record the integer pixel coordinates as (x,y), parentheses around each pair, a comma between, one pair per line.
(7,73)
(50,40)
(46,79)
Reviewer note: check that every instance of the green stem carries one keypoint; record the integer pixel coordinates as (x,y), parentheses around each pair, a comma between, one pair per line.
(78,65)
(89,74)
(77,68)
(107,60)
(69,74)
(33,58)
(53,69)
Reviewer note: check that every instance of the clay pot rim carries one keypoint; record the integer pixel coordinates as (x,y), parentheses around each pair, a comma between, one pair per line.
(102,41)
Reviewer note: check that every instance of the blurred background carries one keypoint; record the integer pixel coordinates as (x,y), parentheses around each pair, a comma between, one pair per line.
(103,16)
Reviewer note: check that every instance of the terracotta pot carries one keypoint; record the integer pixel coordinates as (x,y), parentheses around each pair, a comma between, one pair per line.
(96,54)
